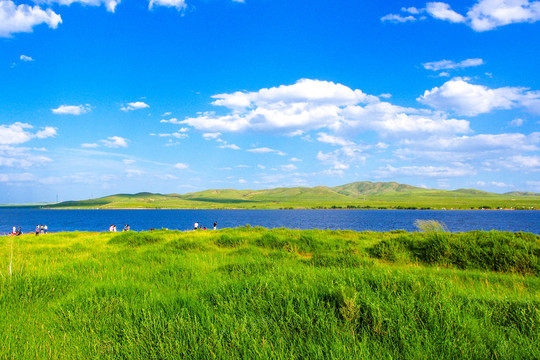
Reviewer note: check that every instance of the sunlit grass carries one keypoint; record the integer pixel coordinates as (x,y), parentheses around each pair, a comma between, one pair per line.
(259,293)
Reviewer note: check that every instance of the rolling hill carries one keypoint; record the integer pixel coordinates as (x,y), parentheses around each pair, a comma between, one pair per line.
(364,194)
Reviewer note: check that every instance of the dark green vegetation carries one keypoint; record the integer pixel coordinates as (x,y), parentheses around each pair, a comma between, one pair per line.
(258,293)
(358,195)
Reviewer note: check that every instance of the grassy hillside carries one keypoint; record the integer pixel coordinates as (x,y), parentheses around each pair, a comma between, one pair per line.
(366,194)
(254,293)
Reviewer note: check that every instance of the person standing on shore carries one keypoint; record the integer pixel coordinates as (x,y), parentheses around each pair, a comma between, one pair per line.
(45,228)
(215,225)
(196,225)
(37,230)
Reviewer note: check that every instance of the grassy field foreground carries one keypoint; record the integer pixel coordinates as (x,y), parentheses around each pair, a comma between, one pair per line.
(258,293)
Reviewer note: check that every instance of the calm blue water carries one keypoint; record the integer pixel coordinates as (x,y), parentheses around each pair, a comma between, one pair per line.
(376,220)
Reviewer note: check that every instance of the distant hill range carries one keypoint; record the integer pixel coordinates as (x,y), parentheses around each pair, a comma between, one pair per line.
(364,194)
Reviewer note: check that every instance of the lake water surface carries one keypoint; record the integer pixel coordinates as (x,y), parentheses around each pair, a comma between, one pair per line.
(360,220)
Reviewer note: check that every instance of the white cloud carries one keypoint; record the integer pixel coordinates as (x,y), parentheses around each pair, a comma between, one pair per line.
(313,104)
(522,163)
(26,58)
(178,4)
(72,109)
(128,161)
(229,146)
(442,11)
(477,147)
(295,159)
(172,121)
(22,18)
(109,4)
(20,157)
(396,18)
(456,170)
(211,136)
(517,122)
(483,16)
(178,135)
(137,105)
(181,166)
(341,159)
(168,113)
(289,167)
(134,172)
(468,99)
(489,14)
(19,133)
(265,150)
(115,142)
(89,145)
(513,141)
(450,65)
(24,177)
(334,140)
(388,119)
(412,10)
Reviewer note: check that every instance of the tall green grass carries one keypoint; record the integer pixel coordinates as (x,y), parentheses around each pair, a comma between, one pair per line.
(259,293)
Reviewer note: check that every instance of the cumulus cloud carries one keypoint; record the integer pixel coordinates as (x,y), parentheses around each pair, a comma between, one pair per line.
(314,104)
(114,142)
(483,16)
(19,133)
(442,11)
(23,18)
(465,98)
(72,109)
(490,14)
(134,106)
(178,4)
(450,65)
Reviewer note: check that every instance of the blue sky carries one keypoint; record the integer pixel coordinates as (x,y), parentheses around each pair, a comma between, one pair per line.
(99,97)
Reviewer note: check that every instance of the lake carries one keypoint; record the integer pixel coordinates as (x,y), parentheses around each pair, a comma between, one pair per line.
(360,220)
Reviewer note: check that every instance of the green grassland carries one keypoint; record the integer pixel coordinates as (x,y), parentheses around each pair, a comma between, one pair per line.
(363,195)
(254,293)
